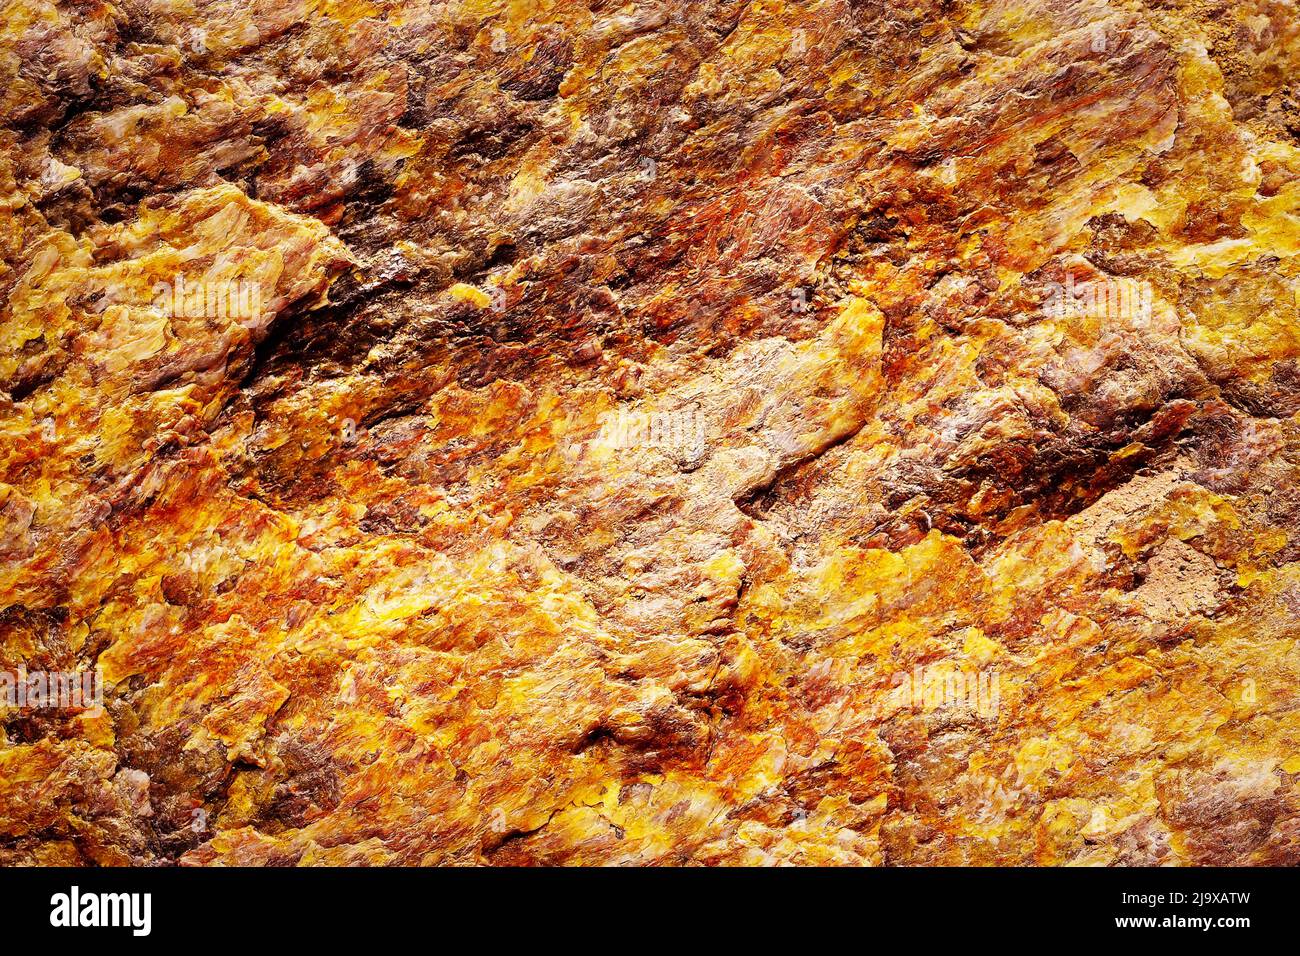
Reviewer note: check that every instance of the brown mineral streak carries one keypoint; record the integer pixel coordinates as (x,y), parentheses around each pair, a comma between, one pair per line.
(719,433)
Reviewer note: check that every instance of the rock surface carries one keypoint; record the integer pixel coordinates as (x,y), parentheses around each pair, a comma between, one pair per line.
(710,432)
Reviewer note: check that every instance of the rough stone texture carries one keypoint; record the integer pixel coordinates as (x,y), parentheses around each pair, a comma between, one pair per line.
(642,397)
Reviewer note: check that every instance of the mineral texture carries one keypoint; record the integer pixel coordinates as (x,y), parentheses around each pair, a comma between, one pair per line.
(711,432)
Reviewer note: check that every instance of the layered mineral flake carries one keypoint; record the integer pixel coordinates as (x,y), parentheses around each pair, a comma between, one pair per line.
(681,432)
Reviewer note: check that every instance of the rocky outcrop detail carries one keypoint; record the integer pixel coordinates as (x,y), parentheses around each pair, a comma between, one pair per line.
(711,432)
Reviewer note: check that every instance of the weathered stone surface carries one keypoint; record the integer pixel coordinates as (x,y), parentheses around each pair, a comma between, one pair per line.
(674,432)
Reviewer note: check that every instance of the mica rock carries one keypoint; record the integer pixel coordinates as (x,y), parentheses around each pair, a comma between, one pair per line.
(829,432)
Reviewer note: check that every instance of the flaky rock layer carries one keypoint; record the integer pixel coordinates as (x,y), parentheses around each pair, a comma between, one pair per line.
(710,432)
